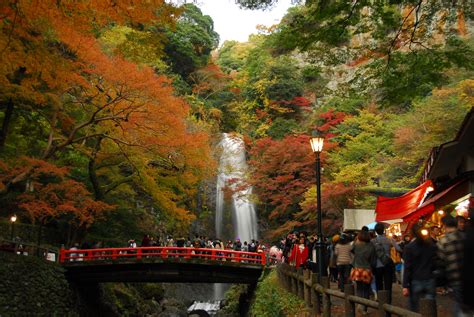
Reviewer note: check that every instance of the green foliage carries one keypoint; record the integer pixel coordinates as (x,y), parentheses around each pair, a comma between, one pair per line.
(335,23)
(232,55)
(272,300)
(142,47)
(349,105)
(416,73)
(366,144)
(282,127)
(189,45)
(432,121)
(233,300)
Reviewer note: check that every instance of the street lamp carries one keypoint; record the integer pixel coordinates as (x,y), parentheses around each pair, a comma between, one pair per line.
(317,142)
(12,220)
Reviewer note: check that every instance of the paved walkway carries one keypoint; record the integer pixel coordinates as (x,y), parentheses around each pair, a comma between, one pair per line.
(443,302)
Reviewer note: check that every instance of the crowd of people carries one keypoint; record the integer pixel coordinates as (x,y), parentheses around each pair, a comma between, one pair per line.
(200,242)
(426,262)
(197,243)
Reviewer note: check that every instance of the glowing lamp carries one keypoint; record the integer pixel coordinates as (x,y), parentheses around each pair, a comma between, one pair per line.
(317,142)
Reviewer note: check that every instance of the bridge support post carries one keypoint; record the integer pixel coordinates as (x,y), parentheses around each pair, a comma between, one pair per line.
(428,307)
(326,297)
(350,306)
(300,283)
(315,298)
(307,289)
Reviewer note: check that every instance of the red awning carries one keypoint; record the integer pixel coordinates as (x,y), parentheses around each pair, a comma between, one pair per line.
(399,207)
(440,199)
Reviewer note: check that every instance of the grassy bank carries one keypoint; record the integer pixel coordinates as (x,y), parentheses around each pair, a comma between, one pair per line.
(271,300)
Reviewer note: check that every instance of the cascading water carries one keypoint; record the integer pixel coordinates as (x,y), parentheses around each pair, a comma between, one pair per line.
(232,167)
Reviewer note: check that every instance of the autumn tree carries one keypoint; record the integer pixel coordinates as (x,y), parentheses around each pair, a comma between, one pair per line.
(97,103)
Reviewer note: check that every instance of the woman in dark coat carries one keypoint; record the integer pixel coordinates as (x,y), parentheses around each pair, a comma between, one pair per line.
(363,264)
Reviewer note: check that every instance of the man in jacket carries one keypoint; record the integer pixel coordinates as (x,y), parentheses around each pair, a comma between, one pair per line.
(384,270)
(451,255)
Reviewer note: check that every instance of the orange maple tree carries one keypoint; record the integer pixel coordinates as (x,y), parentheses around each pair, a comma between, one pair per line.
(52,65)
(50,194)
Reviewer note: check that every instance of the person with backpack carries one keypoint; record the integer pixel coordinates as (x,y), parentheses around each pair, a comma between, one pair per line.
(420,263)
(385,268)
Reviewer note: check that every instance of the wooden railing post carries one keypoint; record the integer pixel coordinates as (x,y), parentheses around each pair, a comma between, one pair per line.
(114,254)
(315,298)
(428,307)
(300,283)
(288,278)
(350,306)
(326,297)
(382,297)
(294,283)
(307,289)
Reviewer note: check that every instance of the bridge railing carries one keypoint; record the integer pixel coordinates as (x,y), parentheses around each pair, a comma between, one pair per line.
(160,252)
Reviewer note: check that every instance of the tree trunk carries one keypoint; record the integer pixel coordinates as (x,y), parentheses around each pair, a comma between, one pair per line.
(99,194)
(6,123)
(38,241)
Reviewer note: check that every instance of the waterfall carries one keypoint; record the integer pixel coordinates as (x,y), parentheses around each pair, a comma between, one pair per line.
(233,166)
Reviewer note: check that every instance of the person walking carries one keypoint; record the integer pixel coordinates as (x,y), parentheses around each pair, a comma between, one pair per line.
(343,254)
(333,274)
(420,262)
(363,263)
(451,255)
(385,269)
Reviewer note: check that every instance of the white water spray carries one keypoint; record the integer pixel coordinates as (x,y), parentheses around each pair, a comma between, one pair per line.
(232,166)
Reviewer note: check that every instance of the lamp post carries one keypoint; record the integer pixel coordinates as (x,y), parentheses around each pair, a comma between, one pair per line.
(12,220)
(317,142)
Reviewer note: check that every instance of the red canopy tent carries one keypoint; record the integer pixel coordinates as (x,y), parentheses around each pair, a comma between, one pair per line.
(437,201)
(400,207)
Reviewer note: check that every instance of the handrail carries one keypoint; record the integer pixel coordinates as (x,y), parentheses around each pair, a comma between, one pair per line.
(29,249)
(102,254)
(317,296)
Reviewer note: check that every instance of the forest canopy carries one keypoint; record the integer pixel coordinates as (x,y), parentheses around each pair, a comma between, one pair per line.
(110,111)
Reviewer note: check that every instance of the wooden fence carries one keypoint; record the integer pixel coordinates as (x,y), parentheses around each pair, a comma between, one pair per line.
(317,297)
(26,249)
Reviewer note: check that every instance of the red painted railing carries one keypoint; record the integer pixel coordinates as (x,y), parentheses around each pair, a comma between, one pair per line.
(161,252)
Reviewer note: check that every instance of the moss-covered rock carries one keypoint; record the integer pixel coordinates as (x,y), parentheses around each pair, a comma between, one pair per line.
(133,299)
(33,287)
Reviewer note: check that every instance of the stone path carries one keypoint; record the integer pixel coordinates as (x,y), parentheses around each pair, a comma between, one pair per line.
(444,303)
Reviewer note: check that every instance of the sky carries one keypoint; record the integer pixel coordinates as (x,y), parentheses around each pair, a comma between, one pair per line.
(233,23)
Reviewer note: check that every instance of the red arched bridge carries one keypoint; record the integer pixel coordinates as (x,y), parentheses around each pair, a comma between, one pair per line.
(162,264)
